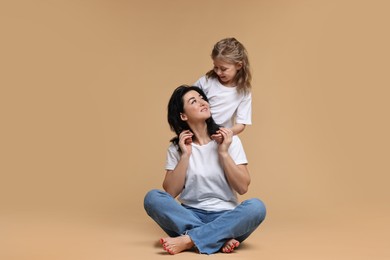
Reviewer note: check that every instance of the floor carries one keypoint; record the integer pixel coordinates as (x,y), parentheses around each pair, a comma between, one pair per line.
(132,235)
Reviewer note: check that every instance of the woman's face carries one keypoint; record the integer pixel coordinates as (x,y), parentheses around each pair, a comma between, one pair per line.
(195,107)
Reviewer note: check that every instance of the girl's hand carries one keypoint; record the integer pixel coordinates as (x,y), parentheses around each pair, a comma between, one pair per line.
(217,137)
(185,141)
(227,135)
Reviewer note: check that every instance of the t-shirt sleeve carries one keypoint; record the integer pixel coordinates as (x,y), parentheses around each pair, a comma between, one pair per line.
(236,151)
(244,110)
(173,157)
(201,83)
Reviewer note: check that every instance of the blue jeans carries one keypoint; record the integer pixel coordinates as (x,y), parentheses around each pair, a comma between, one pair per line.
(208,230)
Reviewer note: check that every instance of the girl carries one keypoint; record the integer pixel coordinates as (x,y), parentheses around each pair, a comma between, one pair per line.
(206,175)
(228,86)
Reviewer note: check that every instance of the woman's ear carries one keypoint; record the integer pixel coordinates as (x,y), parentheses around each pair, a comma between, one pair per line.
(183,117)
(238,65)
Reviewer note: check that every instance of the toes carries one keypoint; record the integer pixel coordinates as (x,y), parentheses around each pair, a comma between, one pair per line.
(230,246)
(167,249)
(227,249)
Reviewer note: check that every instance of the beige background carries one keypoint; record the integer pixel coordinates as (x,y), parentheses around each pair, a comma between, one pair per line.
(84,88)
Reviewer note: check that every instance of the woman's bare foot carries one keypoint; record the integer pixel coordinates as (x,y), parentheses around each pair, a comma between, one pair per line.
(230,245)
(175,245)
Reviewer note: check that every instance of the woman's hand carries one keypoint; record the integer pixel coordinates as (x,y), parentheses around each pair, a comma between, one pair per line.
(227,135)
(185,141)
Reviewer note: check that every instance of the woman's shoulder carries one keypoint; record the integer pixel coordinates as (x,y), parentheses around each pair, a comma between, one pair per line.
(173,148)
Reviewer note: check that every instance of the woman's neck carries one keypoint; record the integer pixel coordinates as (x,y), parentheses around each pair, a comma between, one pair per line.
(201,134)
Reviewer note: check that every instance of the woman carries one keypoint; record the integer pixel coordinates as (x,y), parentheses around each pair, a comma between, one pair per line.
(207,175)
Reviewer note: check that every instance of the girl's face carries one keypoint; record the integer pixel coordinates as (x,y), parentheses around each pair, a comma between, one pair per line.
(195,107)
(226,71)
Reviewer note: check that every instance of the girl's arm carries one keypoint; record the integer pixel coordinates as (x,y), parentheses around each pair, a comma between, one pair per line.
(237,175)
(238,128)
(243,114)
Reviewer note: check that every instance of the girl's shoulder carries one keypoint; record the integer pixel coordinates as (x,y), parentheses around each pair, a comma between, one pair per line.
(201,81)
(205,82)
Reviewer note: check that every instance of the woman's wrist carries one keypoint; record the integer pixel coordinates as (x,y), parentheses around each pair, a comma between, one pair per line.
(185,156)
(223,154)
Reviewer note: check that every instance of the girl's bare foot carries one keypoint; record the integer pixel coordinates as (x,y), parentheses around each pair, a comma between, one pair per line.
(175,245)
(230,245)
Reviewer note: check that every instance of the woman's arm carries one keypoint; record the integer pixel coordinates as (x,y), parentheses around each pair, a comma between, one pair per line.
(237,175)
(174,179)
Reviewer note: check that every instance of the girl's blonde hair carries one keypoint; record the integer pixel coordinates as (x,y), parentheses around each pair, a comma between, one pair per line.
(232,51)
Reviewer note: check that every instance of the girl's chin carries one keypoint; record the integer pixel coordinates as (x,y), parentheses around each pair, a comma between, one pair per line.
(224,81)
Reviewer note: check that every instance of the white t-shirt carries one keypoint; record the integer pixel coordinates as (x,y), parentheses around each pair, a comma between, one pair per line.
(226,104)
(206,186)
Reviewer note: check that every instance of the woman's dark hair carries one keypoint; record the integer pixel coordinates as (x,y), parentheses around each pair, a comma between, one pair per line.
(175,108)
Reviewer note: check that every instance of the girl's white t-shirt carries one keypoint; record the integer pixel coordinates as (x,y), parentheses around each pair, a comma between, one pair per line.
(206,186)
(227,105)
